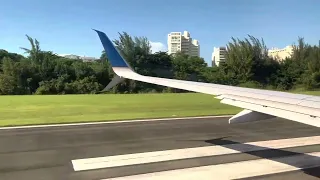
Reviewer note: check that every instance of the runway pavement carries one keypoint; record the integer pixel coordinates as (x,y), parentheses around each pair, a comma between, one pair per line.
(207,148)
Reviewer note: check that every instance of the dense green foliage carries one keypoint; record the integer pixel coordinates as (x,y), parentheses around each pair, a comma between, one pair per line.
(248,65)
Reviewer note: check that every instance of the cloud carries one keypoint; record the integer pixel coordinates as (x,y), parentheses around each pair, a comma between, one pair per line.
(157,46)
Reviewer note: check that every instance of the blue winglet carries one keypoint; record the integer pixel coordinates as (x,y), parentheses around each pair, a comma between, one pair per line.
(111,52)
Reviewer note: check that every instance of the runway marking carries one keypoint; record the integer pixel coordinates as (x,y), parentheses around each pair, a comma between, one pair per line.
(236,170)
(176,154)
(112,122)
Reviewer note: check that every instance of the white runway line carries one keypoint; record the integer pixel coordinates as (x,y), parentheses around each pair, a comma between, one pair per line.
(176,154)
(243,169)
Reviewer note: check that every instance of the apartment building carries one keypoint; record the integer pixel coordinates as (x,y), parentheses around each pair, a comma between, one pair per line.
(281,54)
(218,55)
(183,42)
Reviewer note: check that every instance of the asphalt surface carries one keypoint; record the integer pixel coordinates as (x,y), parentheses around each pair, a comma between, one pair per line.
(46,153)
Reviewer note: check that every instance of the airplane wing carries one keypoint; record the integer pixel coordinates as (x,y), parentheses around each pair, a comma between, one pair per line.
(257,104)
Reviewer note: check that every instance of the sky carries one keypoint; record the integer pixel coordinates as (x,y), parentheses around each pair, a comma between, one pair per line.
(65,26)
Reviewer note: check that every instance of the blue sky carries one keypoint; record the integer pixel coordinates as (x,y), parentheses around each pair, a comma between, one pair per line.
(64,26)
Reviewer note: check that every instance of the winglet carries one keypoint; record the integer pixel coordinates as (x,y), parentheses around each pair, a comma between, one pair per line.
(116,60)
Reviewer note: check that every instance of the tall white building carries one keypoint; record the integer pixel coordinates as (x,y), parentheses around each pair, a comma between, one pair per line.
(218,55)
(184,43)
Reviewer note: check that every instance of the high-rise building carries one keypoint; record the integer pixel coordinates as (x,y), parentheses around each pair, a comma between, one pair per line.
(218,55)
(280,54)
(183,43)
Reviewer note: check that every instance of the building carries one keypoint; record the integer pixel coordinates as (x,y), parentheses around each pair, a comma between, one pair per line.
(83,58)
(87,59)
(280,54)
(218,55)
(183,43)
(71,56)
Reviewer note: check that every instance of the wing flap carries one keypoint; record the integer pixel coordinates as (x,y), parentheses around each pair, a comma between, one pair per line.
(307,110)
(249,116)
(294,116)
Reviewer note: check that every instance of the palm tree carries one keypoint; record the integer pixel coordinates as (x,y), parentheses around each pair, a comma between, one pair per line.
(35,51)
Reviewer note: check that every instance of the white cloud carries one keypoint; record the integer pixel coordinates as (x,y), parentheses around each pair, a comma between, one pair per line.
(157,46)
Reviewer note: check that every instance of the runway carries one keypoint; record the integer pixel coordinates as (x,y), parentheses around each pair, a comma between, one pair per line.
(205,148)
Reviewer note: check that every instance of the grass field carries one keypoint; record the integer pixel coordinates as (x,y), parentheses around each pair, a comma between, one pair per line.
(27,110)
(30,110)
(314,93)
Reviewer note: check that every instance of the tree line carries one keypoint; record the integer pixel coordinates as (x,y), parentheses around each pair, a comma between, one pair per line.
(247,65)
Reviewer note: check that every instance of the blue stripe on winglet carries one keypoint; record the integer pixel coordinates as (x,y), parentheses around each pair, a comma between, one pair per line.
(112,54)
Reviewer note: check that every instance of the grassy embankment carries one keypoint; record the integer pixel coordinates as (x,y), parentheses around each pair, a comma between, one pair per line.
(27,110)
(313,93)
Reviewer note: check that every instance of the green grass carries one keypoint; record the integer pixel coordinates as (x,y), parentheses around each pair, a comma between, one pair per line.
(27,110)
(314,93)
(30,110)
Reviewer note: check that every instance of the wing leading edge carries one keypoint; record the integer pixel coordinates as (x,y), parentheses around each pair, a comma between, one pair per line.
(257,104)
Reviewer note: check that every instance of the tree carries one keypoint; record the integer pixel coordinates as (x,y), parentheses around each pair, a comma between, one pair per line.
(247,64)
(311,76)
(248,61)
(35,51)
